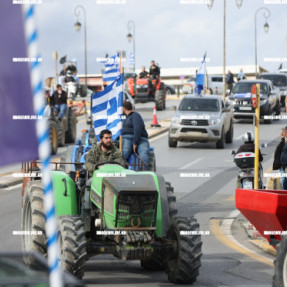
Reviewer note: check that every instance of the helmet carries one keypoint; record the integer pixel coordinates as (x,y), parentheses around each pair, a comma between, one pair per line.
(248,137)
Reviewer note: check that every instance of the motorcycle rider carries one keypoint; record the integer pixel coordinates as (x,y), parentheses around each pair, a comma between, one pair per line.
(249,146)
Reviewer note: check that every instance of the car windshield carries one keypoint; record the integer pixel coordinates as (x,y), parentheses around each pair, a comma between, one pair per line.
(277,80)
(243,88)
(200,105)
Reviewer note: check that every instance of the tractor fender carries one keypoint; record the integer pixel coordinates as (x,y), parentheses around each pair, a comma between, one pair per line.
(164,204)
(65,195)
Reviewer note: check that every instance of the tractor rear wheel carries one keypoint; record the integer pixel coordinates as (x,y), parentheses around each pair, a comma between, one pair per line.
(71,132)
(183,266)
(72,244)
(33,220)
(152,162)
(53,136)
(159,98)
(157,263)
(61,133)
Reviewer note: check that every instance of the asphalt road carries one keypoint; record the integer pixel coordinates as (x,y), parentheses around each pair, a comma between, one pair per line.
(209,199)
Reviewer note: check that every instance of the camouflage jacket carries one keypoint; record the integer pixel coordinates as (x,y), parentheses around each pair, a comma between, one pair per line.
(96,156)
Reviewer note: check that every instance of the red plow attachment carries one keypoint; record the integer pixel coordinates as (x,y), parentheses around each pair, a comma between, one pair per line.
(265,209)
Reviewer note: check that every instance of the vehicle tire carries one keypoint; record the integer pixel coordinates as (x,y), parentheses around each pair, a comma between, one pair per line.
(33,219)
(53,136)
(221,143)
(152,161)
(171,143)
(71,132)
(61,133)
(157,263)
(229,135)
(183,266)
(72,245)
(278,109)
(280,263)
(159,100)
(268,121)
(168,91)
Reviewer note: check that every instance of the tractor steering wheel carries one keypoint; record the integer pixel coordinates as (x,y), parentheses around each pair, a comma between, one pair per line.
(108,162)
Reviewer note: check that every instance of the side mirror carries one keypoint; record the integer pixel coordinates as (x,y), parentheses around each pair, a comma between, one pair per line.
(233,152)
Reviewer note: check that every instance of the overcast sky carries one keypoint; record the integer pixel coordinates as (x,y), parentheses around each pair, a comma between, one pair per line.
(166,31)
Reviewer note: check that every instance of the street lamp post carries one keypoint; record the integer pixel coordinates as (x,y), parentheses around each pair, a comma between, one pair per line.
(78,26)
(210,4)
(266,29)
(132,26)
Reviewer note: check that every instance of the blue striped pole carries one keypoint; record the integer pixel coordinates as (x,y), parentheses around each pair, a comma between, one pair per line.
(43,146)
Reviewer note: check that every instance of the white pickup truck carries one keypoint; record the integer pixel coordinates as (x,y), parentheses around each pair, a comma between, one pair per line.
(202,119)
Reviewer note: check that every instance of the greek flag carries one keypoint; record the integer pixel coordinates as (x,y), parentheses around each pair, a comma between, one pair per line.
(201,75)
(112,69)
(107,108)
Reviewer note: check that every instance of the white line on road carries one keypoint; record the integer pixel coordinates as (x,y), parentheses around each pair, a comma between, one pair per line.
(192,163)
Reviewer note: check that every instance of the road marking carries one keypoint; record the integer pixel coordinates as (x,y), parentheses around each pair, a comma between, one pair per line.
(192,163)
(12,187)
(239,137)
(228,240)
(158,137)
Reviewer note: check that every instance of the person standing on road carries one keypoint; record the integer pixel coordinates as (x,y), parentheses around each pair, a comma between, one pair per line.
(241,75)
(103,152)
(229,81)
(59,102)
(283,161)
(134,135)
(277,162)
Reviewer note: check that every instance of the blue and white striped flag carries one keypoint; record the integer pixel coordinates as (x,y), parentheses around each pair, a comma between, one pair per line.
(107,108)
(200,76)
(112,70)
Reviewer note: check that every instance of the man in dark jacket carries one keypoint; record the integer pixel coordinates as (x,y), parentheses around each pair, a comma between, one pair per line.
(103,152)
(229,81)
(143,74)
(135,136)
(154,70)
(277,162)
(59,101)
(248,145)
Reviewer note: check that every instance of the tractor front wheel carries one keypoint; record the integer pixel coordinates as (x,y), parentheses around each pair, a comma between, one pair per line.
(183,265)
(33,222)
(280,263)
(72,244)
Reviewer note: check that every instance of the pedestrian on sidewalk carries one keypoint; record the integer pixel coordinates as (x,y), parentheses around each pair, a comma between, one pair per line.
(134,135)
(277,154)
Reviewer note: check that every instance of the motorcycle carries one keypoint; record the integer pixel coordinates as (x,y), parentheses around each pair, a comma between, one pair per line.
(245,177)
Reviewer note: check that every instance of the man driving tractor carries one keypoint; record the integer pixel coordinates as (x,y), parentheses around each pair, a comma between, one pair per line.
(103,152)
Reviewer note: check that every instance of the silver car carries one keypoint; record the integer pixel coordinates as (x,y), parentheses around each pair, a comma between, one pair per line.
(202,119)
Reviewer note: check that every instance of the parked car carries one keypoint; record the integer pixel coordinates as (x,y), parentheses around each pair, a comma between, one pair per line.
(189,85)
(279,81)
(202,119)
(240,99)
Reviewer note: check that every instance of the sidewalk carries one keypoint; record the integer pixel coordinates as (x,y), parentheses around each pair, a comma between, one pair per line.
(7,179)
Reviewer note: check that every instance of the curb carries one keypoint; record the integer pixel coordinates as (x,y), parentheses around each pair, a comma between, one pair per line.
(256,238)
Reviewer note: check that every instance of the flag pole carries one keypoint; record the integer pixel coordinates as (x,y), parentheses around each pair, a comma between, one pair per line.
(44,148)
(121,72)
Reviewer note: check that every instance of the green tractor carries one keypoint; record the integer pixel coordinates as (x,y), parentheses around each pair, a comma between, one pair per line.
(126,213)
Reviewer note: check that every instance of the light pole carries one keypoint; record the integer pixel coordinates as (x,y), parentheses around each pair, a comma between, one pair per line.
(210,4)
(266,29)
(78,26)
(130,37)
